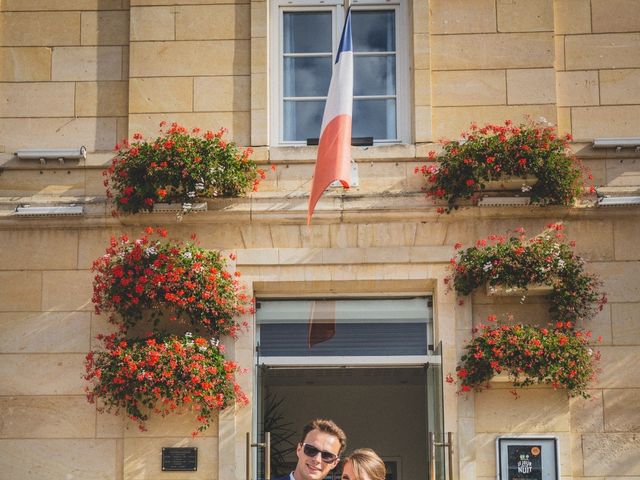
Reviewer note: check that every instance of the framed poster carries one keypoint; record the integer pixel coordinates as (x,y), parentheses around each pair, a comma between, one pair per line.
(394,468)
(527,458)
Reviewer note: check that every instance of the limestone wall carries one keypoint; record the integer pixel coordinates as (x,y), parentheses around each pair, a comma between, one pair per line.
(47,326)
(491,60)
(64,71)
(190,61)
(590,444)
(598,69)
(90,72)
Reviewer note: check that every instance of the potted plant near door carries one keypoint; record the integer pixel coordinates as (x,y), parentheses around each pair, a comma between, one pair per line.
(559,355)
(181,288)
(180,281)
(517,262)
(161,374)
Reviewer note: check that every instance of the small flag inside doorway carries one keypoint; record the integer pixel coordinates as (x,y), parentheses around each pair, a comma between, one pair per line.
(334,147)
(322,321)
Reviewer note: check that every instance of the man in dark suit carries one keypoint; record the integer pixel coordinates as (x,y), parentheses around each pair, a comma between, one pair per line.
(319,451)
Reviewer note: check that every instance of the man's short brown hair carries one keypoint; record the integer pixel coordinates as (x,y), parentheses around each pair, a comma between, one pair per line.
(326,426)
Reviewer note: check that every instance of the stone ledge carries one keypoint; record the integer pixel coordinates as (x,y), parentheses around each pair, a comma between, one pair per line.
(291,208)
(341,256)
(307,154)
(291,155)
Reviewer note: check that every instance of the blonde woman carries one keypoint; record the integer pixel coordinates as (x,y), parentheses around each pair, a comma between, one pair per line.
(363,464)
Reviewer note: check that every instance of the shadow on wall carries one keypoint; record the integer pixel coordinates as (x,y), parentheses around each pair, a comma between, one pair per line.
(112,91)
(67,72)
(611,168)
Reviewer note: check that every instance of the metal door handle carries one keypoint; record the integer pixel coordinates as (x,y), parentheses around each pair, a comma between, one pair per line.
(431,448)
(267,455)
(432,454)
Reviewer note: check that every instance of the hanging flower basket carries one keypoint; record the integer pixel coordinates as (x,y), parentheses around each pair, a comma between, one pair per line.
(516,263)
(178,280)
(528,355)
(467,168)
(160,376)
(546,264)
(178,167)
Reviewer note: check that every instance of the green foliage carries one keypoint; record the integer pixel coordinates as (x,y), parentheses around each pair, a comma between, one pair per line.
(178,167)
(530,355)
(180,279)
(518,262)
(495,151)
(160,375)
(559,355)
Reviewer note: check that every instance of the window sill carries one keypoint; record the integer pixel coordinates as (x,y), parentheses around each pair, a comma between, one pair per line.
(306,154)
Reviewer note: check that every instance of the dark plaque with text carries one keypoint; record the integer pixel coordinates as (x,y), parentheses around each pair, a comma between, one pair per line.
(525,462)
(180,459)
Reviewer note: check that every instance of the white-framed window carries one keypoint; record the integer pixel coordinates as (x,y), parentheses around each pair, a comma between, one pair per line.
(304,39)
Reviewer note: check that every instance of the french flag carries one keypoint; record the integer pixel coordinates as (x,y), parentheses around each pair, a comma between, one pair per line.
(334,148)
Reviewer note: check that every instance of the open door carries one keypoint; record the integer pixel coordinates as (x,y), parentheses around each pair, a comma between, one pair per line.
(283,435)
(435,418)
(363,363)
(259,466)
(381,407)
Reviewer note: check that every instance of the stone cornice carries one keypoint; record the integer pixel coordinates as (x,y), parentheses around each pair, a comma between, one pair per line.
(334,208)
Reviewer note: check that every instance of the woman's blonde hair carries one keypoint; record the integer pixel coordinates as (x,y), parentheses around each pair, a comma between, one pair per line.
(366,461)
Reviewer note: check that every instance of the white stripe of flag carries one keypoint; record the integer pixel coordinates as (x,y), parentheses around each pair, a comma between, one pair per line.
(334,148)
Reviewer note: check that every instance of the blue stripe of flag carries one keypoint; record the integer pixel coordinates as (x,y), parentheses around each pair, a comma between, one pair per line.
(346,43)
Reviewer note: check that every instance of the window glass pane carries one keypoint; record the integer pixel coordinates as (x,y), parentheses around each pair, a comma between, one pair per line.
(353,339)
(302,119)
(307,32)
(374,75)
(373,30)
(344,327)
(307,76)
(374,118)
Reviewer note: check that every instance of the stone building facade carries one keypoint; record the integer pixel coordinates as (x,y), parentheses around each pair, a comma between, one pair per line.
(91,72)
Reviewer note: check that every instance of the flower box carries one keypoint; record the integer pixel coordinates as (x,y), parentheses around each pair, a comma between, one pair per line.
(179,207)
(510,184)
(529,158)
(507,191)
(495,200)
(501,378)
(161,375)
(150,279)
(525,355)
(538,289)
(178,167)
(545,259)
